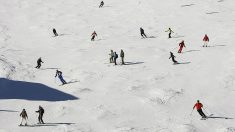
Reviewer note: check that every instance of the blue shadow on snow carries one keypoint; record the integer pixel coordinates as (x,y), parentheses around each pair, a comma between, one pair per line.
(10,89)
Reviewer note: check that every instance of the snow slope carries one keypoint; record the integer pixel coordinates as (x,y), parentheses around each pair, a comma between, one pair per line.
(149,94)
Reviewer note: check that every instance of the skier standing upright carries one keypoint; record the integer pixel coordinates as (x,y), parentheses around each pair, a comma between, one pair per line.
(39,61)
(111,59)
(170,31)
(40,112)
(142,33)
(181,44)
(115,58)
(122,56)
(59,74)
(205,40)
(101,4)
(172,57)
(24,116)
(199,106)
(55,33)
(93,36)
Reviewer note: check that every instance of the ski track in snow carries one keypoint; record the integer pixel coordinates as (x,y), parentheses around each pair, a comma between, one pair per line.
(148,94)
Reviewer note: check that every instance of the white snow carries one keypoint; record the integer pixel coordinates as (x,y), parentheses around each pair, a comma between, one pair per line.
(150,94)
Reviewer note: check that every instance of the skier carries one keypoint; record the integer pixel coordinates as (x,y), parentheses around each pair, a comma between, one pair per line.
(172,57)
(55,33)
(181,44)
(199,106)
(115,58)
(111,59)
(122,57)
(59,73)
(40,112)
(101,4)
(142,33)
(170,31)
(39,61)
(24,116)
(206,40)
(93,36)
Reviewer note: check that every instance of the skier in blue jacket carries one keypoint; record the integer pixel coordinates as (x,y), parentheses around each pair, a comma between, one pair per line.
(59,73)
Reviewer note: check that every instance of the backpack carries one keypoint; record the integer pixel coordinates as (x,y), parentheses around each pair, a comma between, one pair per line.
(116,56)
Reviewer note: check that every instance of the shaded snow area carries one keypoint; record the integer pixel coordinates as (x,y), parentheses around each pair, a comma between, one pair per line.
(148,94)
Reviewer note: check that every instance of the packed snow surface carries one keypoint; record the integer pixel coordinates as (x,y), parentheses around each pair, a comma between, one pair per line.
(148,94)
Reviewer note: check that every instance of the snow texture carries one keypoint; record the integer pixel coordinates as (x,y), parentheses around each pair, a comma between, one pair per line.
(148,94)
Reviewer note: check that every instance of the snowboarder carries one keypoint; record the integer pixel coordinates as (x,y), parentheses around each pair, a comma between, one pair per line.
(170,31)
(115,58)
(111,59)
(122,57)
(93,36)
(181,44)
(206,40)
(55,33)
(39,61)
(59,73)
(40,112)
(142,33)
(24,116)
(172,57)
(101,4)
(199,106)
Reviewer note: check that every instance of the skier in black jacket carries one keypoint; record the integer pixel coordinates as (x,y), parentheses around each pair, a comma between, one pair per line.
(101,4)
(41,112)
(172,57)
(55,33)
(39,61)
(115,58)
(142,33)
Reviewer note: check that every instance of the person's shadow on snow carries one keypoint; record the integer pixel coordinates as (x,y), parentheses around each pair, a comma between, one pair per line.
(177,63)
(133,63)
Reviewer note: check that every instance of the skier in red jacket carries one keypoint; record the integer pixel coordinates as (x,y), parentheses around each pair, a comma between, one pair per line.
(205,40)
(199,106)
(181,44)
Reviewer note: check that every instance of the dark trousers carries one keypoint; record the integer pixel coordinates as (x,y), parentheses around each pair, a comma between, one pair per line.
(62,80)
(93,38)
(40,119)
(169,35)
(123,60)
(101,5)
(55,33)
(201,113)
(115,61)
(143,35)
(38,66)
(173,59)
